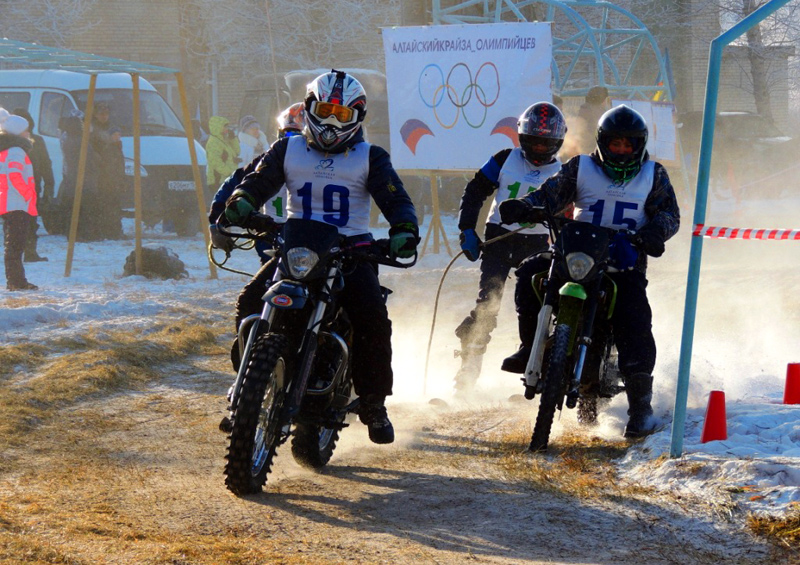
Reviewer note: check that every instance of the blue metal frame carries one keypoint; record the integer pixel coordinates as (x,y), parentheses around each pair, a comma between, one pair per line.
(599,46)
(701,199)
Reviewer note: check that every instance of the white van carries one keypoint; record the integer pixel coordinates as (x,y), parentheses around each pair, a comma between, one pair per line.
(167,181)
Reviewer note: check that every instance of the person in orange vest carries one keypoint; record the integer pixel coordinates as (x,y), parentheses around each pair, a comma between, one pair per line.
(17,196)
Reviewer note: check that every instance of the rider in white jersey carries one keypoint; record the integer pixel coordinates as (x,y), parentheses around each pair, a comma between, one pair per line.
(508,174)
(332,175)
(617,187)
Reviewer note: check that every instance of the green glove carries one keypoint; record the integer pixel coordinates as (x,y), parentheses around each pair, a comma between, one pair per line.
(239,206)
(403,241)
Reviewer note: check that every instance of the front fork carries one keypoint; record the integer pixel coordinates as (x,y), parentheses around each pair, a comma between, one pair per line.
(575,305)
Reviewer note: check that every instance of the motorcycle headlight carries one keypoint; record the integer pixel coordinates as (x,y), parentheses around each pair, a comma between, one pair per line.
(301,261)
(579,264)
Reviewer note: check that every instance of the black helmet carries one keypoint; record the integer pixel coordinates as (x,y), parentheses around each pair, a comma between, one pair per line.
(621,122)
(541,124)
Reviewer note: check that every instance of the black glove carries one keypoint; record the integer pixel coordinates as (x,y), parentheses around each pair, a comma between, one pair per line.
(403,239)
(649,242)
(519,211)
(239,206)
(219,240)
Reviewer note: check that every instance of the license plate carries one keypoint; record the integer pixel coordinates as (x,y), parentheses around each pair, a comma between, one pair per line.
(180,185)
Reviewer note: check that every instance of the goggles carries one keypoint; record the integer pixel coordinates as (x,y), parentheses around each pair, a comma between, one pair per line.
(343,114)
(291,133)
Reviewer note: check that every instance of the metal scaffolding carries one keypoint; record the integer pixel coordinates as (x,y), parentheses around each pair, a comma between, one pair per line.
(595,43)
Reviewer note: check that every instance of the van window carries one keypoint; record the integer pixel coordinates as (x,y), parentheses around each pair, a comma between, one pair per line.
(12,100)
(54,106)
(156,117)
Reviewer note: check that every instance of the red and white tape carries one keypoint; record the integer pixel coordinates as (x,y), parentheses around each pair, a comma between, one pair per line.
(744,233)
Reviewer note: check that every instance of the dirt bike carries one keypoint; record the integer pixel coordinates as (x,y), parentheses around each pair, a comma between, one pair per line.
(294,378)
(573,360)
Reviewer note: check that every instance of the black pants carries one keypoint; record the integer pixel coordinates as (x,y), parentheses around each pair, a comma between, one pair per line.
(631,321)
(496,263)
(16,225)
(362,299)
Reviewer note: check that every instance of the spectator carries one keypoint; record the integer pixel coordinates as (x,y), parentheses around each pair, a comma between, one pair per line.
(71,128)
(252,141)
(17,197)
(222,151)
(44,182)
(106,145)
(594,106)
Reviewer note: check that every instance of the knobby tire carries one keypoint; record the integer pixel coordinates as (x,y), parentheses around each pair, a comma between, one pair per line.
(257,424)
(554,388)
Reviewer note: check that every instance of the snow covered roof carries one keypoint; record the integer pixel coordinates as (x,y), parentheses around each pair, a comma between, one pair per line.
(42,56)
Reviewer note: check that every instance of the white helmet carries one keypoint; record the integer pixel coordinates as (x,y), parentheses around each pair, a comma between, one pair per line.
(292,120)
(336,104)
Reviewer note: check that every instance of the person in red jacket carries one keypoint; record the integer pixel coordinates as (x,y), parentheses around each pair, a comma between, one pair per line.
(17,197)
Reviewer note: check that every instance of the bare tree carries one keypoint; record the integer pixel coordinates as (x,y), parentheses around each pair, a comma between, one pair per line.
(304,32)
(47,22)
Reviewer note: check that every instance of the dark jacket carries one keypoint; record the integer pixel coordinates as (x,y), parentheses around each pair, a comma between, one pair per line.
(42,168)
(661,205)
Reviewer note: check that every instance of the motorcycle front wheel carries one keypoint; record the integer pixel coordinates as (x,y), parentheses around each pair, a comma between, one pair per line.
(554,388)
(256,429)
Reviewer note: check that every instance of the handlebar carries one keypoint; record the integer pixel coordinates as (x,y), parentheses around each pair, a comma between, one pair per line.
(262,227)
(377,251)
(258,227)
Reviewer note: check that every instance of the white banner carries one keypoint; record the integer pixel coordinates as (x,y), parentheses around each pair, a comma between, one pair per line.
(455,91)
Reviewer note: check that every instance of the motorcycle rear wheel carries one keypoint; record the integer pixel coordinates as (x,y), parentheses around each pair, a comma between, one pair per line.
(554,388)
(313,445)
(256,429)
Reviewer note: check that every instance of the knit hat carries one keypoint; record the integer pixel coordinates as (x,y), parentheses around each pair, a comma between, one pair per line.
(15,125)
(248,122)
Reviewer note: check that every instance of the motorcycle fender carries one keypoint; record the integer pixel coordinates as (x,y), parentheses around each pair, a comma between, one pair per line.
(287,295)
(574,290)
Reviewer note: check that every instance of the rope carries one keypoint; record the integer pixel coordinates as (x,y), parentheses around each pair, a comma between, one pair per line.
(438,293)
(228,256)
(702,230)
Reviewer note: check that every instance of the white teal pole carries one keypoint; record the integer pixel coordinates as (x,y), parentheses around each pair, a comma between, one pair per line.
(701,198)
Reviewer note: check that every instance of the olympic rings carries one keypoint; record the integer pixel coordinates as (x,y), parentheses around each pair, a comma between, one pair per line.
(432,95)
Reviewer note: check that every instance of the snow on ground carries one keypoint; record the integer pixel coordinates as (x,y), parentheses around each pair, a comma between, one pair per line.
(746,333)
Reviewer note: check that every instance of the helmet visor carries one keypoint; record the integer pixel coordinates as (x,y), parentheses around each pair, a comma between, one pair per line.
(537,148)
(324,110)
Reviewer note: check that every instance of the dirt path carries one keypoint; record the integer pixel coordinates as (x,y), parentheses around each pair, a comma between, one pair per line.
(137,478)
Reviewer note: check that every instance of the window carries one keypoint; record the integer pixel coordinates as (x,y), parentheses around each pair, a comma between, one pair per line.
(12,100)
(156,117)
(54,107)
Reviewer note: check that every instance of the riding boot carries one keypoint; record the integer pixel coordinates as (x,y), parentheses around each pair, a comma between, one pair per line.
(527,330)
(639,389)
(372,414)
(470,370)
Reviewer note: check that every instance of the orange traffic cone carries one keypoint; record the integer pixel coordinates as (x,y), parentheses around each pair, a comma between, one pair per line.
(715,427)
(791,394)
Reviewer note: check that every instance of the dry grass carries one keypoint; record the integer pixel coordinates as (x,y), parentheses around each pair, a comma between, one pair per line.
(783,531)
(39,379)
(575,464)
